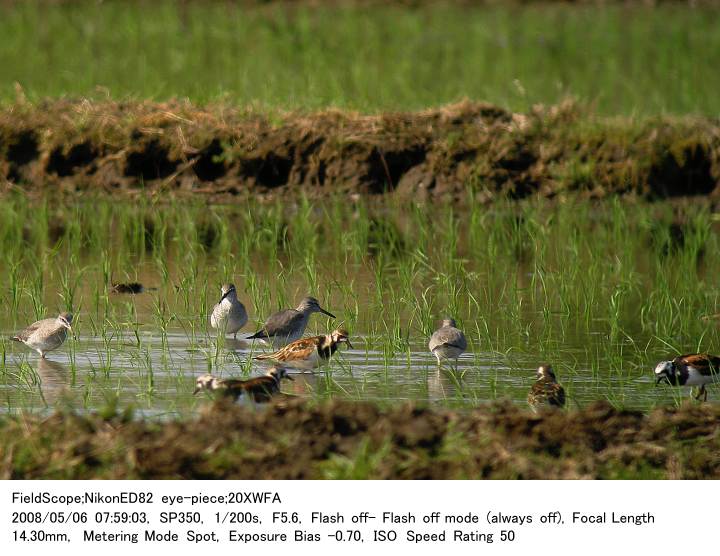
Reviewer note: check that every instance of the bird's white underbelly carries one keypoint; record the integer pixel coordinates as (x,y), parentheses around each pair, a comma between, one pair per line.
(219,315)
(310,362)
(46,343)
(282,341)
(695,378)
(227,317)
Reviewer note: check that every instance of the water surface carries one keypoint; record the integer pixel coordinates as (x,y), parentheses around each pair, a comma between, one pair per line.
(601,291)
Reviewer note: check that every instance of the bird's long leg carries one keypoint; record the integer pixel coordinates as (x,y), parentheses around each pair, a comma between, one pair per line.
(701,392)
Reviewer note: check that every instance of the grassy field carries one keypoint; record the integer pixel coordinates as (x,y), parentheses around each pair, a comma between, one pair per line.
(623,60)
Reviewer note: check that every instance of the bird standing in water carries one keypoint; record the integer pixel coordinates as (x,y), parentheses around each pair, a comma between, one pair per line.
(260,389)
(309,352)
(693,369)
(286,326)
(447,342)
(229,314)
(47,334)
(546,391)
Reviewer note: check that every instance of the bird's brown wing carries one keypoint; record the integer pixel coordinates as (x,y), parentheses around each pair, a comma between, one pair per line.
(532,398)
(550,393)
(298,350)
(705,364)
(233,383)
(23,335)
(556,394)
(261,388)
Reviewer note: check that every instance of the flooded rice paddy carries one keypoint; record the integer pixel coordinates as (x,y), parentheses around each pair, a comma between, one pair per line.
(602,290)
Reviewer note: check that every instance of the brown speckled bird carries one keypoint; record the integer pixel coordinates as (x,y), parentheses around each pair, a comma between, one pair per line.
(309,352)
(260,389)
(546,391)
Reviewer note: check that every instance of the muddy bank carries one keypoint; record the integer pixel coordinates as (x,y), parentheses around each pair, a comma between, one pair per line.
(373,3)
(227,153)
(360,440)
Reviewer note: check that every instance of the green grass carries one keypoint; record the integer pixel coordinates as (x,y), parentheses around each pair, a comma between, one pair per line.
(625,60)
(600,290)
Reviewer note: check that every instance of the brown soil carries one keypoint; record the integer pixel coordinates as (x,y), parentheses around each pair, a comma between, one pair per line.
(225,152)
(292,439)
(409,3)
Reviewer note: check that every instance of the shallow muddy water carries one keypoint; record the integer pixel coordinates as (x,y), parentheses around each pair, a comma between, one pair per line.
(601,291)
(158,377)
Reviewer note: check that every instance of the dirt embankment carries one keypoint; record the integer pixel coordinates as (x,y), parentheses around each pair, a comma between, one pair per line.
(226,152)
(360,440)
(372,3)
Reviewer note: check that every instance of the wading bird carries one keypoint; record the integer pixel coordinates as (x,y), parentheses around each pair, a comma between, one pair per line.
(693,369)
(447,342)
(288,325)
(309,352)
(546,391)
(47,334)
(259,389)
(229,314)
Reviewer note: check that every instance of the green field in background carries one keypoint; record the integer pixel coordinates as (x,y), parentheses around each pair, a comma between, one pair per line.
(625,60)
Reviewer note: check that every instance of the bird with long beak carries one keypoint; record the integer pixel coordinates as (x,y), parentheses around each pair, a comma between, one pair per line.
(309,352)
(229,314)
(260,389)
(47,334)
(286,326)
(546,391)
(693,369)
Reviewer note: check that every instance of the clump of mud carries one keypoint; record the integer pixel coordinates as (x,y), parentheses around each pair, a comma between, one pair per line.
(295,439)
(223,152)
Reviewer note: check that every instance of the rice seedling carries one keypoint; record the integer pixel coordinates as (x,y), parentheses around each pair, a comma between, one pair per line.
(602,290)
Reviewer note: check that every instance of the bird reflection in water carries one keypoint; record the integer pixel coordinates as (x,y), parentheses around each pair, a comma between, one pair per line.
(443,384)
(54,380)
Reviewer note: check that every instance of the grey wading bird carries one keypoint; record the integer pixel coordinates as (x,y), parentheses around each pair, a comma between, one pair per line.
(259,389)
(47,334)
(546,391)
(309,352)
(229,314)
(447,342)
(693,369)
(288,325)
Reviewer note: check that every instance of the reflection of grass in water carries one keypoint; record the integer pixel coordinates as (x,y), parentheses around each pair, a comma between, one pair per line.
(600,290)
(369,59)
